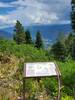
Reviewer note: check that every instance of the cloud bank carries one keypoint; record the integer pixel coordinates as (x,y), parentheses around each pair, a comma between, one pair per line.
(36,12)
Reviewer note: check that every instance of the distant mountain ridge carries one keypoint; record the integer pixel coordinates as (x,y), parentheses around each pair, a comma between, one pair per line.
(5,34)
(49,32)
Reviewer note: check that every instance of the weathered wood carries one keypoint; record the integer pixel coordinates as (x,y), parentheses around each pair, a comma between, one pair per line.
(59,82)
(23,88)
(24,83)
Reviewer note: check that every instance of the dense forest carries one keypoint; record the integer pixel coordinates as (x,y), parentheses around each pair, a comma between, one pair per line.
(14,53)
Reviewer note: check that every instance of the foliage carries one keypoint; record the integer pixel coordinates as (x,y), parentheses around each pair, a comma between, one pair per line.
(28,37)
(19,35)
(59,50)
(67,98)
(38,41)
(68,75)
(73,15)
(68,42)
(9,86)
(73,49)
(26,52)
(64,48)
(13,56)
(61,37)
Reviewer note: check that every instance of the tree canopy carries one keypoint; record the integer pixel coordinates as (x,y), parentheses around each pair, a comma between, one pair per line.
(28,37)
(38,41)
(73,15)
(19,35)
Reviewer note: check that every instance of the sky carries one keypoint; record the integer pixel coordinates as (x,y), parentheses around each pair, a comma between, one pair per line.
(30,12)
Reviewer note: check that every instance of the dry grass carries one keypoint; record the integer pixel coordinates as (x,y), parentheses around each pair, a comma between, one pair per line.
(8,68)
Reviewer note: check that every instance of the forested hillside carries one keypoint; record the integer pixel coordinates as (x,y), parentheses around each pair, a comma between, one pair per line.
(12,59)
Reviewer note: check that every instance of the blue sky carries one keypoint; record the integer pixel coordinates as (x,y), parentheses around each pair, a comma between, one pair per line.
(34,12)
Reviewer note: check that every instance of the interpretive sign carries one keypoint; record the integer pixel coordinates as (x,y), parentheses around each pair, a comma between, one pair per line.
(40,69)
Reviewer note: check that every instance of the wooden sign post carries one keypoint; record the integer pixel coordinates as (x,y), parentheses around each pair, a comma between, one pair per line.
(41,69)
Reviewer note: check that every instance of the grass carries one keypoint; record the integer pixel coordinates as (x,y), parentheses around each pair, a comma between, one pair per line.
(67,76)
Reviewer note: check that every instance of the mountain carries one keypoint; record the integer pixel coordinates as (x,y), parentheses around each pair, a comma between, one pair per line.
(49,32)
(5,34)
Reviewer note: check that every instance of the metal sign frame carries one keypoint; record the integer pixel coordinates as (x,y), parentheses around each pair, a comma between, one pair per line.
(58,79)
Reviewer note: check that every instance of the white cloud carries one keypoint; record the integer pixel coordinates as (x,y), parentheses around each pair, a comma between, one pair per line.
(29,3)
(5,22)
(4,18)
(64,22)
(43,11)
(5,5)
(38,11)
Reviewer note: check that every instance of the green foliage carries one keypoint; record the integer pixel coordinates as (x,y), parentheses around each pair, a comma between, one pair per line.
(73,2)
(68,42)
(28,37)
(68,75)
(59,50)
(73,15)
(14,56)
(26,52)
(19,35)
(67,98)
(51,86)
(73,49)
(38,41)
(64,48)
(70,45)
(61,37)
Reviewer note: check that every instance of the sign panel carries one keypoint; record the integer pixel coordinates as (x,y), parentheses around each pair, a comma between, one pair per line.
(40,69)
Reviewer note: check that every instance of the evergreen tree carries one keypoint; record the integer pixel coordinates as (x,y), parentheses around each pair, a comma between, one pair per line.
(73,15)
(73,49)
(19,35)
(68,42)
(28,37)
(38,41)
(59,50)
(61,37)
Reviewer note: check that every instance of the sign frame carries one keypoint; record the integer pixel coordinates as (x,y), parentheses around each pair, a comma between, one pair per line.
(58,79)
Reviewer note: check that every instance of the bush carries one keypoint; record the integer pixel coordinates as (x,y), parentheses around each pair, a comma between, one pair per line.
(59,51)
(67,98)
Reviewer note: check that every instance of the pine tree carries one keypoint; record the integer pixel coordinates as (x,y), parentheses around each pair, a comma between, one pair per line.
(73,49)
(68,42)
(59,50)
(38,41)
(73,15)
(28,37)
(19,35)
(61,37)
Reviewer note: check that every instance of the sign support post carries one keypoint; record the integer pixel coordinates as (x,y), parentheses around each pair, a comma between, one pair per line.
(41,69)
(59,88)
(24,79)
(59,82)
(24,88)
